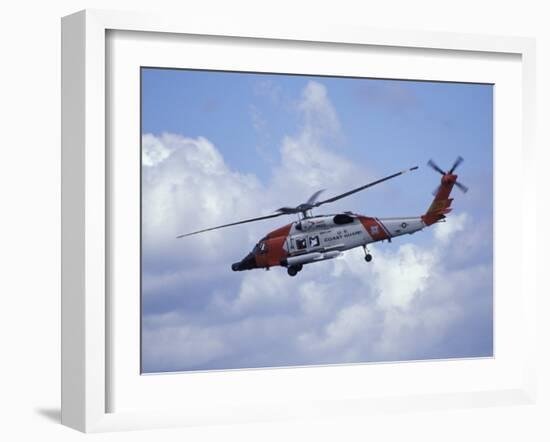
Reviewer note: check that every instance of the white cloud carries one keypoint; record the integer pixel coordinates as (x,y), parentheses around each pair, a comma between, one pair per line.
(308,159)
(262,291)
(154,150)
(402,275)
(343,336)
(317,110)
(444,231)
(187,186)
(402,305)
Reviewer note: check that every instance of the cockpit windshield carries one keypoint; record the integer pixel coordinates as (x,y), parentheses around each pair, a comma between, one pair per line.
(260,247)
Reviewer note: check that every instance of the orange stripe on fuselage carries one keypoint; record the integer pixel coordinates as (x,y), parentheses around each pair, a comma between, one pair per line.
(275,251)
(374,228)
(281,231)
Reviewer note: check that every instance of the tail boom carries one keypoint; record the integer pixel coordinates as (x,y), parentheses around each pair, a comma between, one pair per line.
(441,205)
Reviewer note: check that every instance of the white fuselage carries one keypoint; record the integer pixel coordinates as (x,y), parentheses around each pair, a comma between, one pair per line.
(323,234)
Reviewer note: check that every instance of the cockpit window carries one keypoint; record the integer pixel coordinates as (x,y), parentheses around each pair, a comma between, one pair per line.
(261,246)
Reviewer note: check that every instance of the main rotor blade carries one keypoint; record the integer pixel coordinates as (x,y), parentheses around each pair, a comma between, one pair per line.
(366,186)
(314,197)
(232,224)
(457,162)
(435,167)
(287,210)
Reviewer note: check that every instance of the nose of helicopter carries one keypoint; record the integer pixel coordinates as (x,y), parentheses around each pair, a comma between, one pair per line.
(247,263)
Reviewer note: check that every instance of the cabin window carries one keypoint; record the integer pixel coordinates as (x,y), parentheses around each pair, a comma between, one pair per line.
(263,247)
(314,241)
(301,243)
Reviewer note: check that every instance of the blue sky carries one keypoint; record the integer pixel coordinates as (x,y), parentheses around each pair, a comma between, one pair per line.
(221,146)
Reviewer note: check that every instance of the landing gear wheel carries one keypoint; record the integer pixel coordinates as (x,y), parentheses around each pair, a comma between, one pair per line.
(368,256)
(292,271)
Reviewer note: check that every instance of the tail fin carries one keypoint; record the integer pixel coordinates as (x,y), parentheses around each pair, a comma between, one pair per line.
(441,205)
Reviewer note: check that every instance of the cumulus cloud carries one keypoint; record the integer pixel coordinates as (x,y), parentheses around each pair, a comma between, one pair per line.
(185,183)
(411,302)
(317,110)
(309,160)
(401,276)
(452,225)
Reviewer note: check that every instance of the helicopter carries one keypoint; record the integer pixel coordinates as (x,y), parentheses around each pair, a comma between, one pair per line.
(315,238)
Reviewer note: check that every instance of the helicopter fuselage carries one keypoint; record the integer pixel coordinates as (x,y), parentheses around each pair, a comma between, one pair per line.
(319,238)
(324,237)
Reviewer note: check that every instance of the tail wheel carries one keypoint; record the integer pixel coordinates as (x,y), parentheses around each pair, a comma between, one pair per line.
(368,256)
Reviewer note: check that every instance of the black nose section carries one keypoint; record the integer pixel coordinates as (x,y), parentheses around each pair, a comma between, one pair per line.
(247,263)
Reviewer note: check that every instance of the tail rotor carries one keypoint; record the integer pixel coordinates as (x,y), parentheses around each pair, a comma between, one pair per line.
(448,174)
(457,163)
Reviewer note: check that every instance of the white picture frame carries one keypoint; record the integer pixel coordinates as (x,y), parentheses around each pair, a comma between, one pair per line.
(86,203)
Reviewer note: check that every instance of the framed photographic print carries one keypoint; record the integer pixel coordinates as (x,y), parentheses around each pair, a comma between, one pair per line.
(279,139)
(261,223)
